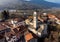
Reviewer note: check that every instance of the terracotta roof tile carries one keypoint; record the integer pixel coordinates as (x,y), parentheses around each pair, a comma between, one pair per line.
(28,36)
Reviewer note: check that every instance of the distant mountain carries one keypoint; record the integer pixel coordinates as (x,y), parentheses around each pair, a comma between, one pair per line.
(33,4)
(45,3)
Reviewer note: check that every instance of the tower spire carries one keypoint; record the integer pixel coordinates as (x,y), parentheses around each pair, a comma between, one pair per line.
(35,19)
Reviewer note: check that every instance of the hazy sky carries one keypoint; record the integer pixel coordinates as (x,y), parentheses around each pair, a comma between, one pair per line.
(6,1)
(56,1)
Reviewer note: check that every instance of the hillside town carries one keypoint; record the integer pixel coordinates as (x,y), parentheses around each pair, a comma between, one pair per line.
(33,27)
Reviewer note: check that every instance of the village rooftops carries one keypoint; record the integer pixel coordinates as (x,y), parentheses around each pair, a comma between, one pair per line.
(4,29)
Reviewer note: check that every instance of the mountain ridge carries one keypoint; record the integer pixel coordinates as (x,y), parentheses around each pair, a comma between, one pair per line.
(34,4)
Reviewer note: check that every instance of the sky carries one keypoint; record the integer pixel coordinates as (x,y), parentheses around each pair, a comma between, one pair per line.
(55,1)
(7,1)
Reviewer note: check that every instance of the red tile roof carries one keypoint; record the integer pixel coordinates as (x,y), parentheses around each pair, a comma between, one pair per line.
(28,36)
